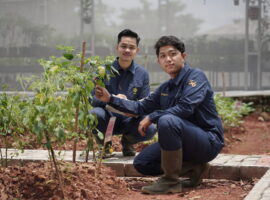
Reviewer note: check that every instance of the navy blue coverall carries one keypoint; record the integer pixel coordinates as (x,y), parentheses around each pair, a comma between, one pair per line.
(134,83)
(185,113)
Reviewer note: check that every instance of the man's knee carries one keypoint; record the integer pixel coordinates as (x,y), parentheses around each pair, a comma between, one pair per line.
(166,121)
(150,132)
(99,112)
(146,167)
(169,123)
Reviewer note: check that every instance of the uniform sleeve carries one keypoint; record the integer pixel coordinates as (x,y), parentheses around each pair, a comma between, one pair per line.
(141,107)
(188,98)
(97,103)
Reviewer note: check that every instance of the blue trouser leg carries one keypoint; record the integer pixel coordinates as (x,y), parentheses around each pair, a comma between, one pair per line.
(176,133)
(103,117)
(123,125)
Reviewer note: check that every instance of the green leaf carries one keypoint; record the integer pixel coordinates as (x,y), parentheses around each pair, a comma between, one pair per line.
(100,134)
(68,56)
(100,83)
(76,99)
(65,48)
(60,134)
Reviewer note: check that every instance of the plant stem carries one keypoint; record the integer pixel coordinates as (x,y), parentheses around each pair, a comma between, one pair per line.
(6,148)
(76,130)
(57,170)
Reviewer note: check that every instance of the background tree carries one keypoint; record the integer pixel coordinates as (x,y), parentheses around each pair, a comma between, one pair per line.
(148,21)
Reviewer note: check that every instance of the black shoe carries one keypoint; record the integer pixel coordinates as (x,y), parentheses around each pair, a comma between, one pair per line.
(127,147)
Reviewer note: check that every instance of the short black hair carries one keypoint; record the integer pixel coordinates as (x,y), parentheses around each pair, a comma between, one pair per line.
(128,33)
(171,41)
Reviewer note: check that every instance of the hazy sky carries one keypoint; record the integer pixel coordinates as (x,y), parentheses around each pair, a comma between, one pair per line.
(215,13)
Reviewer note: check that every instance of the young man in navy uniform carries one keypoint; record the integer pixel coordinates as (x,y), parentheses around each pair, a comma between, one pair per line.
(131,83)
(190,132)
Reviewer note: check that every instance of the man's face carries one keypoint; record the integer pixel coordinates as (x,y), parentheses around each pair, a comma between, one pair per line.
(171,60)
(127,49)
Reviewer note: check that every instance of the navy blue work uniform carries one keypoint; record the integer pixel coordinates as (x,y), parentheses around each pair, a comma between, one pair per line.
(134,83)
(185,113)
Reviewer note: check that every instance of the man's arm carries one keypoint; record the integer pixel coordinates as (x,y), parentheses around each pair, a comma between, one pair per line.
(143,107)
(191,97)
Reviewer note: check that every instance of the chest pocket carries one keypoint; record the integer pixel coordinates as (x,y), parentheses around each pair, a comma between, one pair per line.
(134,91)
(166,100)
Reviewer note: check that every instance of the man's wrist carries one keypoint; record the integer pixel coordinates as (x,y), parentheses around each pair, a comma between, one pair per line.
(151,117)
(110,97)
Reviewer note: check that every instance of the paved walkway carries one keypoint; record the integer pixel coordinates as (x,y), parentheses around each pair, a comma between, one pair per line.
(225,166)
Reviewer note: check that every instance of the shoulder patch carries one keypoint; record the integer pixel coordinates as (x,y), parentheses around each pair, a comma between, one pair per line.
(135,90)
(192,83)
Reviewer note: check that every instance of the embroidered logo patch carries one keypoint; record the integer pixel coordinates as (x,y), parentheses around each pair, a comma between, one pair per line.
(164,94)
(192,83)
(135,90)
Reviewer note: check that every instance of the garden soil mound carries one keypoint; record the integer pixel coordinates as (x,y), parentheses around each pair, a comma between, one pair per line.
(35,181)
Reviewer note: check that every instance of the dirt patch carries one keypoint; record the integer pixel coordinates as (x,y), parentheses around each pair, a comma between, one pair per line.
(252,137)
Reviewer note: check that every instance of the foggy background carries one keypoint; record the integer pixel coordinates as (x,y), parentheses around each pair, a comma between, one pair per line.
(228,39)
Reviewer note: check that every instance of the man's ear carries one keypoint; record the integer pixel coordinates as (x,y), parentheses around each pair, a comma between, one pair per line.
(184,55)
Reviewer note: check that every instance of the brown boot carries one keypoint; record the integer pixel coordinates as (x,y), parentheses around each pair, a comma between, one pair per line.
(194,172)
(171,163)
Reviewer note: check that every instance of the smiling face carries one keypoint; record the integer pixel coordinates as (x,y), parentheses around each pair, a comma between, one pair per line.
(171,60)
(126,50)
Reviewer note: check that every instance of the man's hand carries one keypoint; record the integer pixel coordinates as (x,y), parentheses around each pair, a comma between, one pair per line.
(102,94)
(121,96)
(143,126)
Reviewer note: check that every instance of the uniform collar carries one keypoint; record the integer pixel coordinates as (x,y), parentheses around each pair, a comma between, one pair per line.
(180,76)
(131,68)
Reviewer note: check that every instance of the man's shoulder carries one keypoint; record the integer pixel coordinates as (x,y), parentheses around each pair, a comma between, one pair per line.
(138,66)
(195,70)
(196,73)
(139,69)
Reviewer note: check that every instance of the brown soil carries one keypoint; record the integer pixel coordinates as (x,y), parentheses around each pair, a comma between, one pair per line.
(209,189)
(36,180)
(253,137)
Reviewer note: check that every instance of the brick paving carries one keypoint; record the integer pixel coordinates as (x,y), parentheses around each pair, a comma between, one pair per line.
(224,166)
